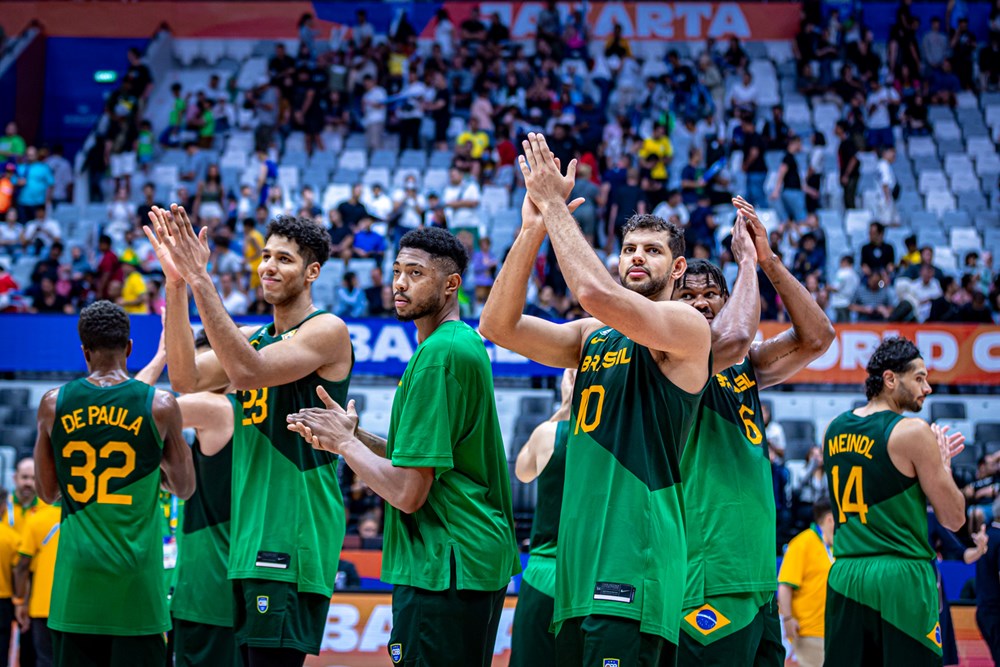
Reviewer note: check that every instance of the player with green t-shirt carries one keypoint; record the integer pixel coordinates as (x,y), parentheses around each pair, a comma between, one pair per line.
(643,361)
(103,442)
(882,469)
(287,524)
(730,612)
(543,457)
(449,545)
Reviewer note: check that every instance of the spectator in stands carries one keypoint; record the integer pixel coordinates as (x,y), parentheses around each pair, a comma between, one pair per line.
(233,298)
(926,289)
(774,432)
(193,166)
(753,163)
(461,199)
(735,58)
(978,311)
(410,110)
(616,44)
(843,289)
(253,248)
(989,64)
(788,184)
(776,132)
(134,295)
(12,145)
(944,85)
(210,193)
(711,78)
(307,203)
(373,112)
(780,480)
(934,45)
(48,266)
(549,27)
(42,231)
(810,260)
(626,200)
(62,175)
(378,295)
(673,209)
(352,210)
(351,300)
(224,258)
(363,32)
(963,49)
(888,187)
(944,308)
(367,243)
(377,203)
(12,235)
(484,269)
(879,124)
(873,300)
(743,96)
(877,256)
(35,181)
(46,300)
(847,87)
(864,57)
(811,487)
(8,180)
(109,269)
(814,172)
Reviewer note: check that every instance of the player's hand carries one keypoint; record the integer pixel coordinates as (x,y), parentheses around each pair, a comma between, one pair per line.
(756,229)
(531,217)
(542,173)
(791,629)
(981,539)
(742,247)
(325,428)
(21,614)
(157,236)
(949,445)
(189,251)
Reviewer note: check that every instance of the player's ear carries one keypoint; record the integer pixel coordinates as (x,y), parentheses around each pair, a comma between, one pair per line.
(680,266)
(452,283)
(312,272)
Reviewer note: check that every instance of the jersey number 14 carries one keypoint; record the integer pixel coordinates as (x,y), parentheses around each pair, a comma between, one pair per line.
(852,499)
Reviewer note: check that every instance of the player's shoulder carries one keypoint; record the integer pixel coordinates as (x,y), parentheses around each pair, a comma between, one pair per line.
(909,427)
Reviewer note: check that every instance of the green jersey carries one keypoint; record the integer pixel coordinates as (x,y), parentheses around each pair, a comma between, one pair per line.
(622,544)
(444,417)
(202,592)
(879,511)
(109,575)
(288,519)
(728,492)
(541,570)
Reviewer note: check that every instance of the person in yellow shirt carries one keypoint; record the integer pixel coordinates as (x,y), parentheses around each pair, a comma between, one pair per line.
(8,555)
(33,578)
(135,295)
(253,246)
(479,139)
(802,586)
(656,153)
(24,502)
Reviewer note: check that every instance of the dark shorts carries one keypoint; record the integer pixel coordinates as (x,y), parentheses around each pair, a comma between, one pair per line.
(198,644)
(72,649)
(274,614)
(531,642)
(452,628)
(757,643)
(610,641)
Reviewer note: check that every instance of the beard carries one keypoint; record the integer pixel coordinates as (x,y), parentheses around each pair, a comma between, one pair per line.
(912,403)
(649,287)
(418,309)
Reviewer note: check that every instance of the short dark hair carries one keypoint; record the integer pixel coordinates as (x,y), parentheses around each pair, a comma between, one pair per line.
(313,240)
(821,508)
(201,340)
(703,267)
(440,244)
(879,227)
(104,326)
(894,354)
(657,224)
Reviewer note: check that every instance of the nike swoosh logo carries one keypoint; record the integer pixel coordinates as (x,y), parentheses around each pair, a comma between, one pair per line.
(595,341)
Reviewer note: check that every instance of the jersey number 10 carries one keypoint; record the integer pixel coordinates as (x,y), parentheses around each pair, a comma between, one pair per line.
(84,492)
(853,498)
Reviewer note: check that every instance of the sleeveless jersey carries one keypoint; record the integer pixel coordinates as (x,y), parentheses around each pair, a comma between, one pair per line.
(622,544)
(879,511)
(109,574)
(288,519)
(541,570)
(202,592)
(728,492)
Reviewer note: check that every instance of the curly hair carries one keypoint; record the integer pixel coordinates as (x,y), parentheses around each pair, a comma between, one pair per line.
(657,224)
(703,267)
(894,354)
(312,239)
(440,244)
(104,326)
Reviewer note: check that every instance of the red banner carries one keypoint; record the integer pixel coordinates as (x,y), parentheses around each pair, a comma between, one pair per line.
(954,354)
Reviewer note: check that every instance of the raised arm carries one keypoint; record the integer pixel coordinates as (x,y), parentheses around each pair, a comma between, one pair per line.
(46,481)
(535,453)
(211,415)
(503,320)
(780,357)
(668,326)
(177,466)
(734,328)
(924,451)
(152,371)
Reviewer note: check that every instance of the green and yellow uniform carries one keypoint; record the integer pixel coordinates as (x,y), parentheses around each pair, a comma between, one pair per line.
(622,543)
(532,643)
(288,523)
(40,543)
(16,514)
(882,598)
(451,560)
(109,582)
(805,567)
(202,605)
(729,604)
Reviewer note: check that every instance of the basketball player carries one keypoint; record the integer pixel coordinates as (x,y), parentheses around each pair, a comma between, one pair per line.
(543,458)
(881,469)
(288,523)
(449,531)
(201,607)
(730,615)
(103,441)
(643,363)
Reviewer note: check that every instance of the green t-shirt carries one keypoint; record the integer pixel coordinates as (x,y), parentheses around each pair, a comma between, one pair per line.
(109,576)
(202,592)
(728,491)
(541,569)
(444,417)
(177,111)
(878,510)
(622,544)
(208,126)
(288,519)
(12,145)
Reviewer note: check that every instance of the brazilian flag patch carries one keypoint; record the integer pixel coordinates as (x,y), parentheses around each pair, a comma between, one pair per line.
(935,635)
(707,619)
